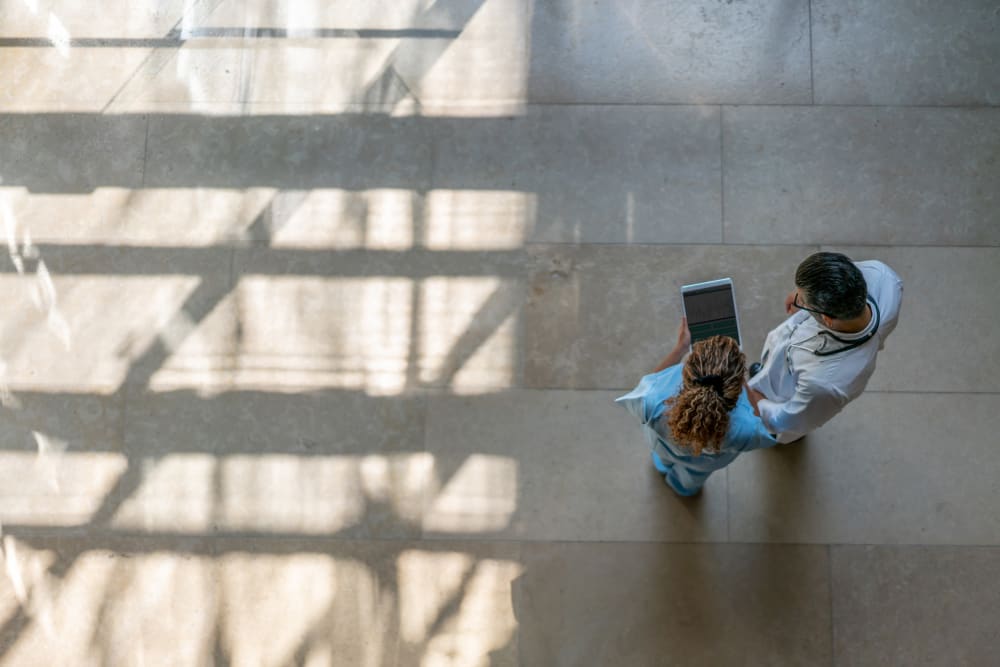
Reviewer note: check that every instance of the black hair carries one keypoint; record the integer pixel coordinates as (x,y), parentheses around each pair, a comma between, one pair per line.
(832,285)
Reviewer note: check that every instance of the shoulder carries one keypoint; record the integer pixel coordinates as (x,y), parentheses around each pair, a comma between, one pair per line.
(877,271)
(662,386)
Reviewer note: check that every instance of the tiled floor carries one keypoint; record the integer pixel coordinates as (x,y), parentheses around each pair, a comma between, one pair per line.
(314,313)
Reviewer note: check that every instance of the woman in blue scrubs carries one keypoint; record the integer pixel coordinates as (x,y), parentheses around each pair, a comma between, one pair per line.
(695,414)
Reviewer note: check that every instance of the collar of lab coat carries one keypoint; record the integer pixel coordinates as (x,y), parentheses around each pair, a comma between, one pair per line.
(852,336)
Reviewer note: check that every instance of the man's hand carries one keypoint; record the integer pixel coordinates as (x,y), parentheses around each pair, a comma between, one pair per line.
(790,303)
(683,335)
(754,396)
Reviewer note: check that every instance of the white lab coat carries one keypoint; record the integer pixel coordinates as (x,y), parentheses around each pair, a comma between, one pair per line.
(803,390)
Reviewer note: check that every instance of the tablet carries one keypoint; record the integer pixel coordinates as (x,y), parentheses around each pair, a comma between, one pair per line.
(710,308)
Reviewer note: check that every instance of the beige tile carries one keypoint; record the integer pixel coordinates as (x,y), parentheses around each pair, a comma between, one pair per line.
(263,602)
(456,603)
(61,454)
(592,174)
(486,62)
(346,15)
(352,152)
(892,468)
(915,605)
(146,216)
(258,600)
(115,18)
(333,218)
(388,323)
(898,52)
(95,317)
(379,54)
(71,153)
(653,604)
(850,175)
(555,466)
(286,71)
(97,608)
(195,72)
(80,79)
(946,338)
(604,316)
(668,52)
(342,464)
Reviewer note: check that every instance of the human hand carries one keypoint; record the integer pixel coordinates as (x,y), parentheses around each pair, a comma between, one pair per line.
(790,303)
(754,397)
(683,335)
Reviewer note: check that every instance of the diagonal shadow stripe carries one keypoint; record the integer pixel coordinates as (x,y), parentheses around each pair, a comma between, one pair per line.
(501,304)
(391,86)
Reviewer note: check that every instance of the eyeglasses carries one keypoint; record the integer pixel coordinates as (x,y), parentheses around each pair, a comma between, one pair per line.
(795,302)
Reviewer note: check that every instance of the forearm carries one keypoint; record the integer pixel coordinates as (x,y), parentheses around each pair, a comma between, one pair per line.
(673,358)
(800,414)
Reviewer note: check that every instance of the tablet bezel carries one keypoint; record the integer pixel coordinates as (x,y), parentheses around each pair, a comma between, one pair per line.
(709,284)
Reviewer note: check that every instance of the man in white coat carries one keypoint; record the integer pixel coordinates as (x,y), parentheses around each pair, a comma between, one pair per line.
(821,357)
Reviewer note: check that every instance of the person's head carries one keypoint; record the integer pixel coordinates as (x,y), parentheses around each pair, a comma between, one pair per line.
(830,284)
(713,376)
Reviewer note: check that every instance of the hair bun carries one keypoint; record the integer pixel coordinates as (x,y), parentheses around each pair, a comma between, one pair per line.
(712,381)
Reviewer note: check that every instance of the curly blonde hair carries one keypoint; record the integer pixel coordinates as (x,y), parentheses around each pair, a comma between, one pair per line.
(713,376)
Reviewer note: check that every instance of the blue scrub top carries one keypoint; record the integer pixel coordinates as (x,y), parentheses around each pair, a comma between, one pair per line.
(746,431)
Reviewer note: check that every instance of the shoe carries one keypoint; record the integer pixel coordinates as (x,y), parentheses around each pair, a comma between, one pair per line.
(660,466)
(680,490)
(754,368)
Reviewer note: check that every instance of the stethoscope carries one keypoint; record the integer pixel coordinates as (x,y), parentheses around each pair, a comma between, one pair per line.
(820,350)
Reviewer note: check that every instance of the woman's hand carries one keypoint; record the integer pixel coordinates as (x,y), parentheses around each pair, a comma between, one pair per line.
(680,349)
(754,397)
(683,335)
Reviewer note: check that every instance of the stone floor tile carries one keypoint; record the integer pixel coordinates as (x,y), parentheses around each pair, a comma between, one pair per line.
(116,19)
(485,61)
(652,604)
(71,153)
(555,465)
(593,174)
(193,72)
(317,463)
(147,216)
(382,53)
(61,453)
(123,600)
(915,605)
(79,79)
(885,176)
(670,52)
(899,52)
(93,317)
(892,468)
(928,351)
(352,152)
(386,322)
(604,316)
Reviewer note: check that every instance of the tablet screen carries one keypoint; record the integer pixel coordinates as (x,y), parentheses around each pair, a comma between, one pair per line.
(711,311)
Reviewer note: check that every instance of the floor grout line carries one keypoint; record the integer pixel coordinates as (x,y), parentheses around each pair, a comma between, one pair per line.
(729,533)
(87,532)
(500,109)
(812,83)
(829,582)
(126,243)
(722,177)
